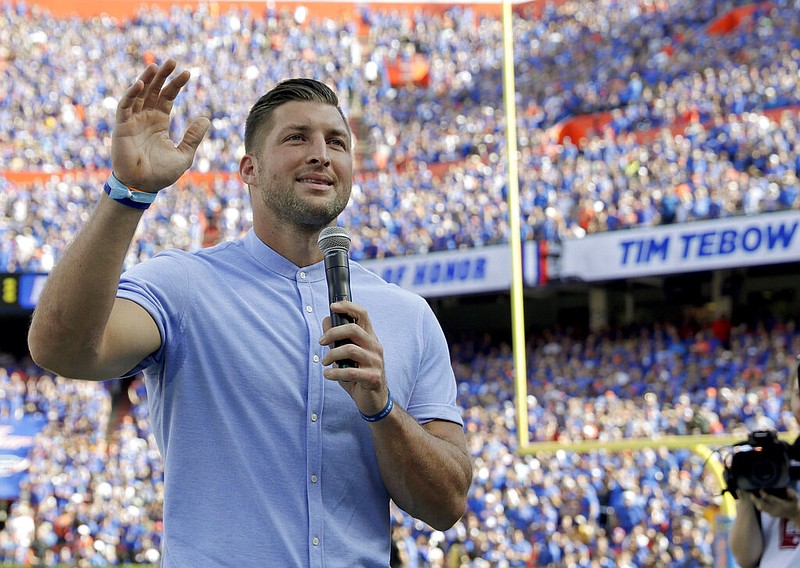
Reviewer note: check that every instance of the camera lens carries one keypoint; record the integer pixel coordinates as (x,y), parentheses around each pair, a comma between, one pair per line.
(764,473)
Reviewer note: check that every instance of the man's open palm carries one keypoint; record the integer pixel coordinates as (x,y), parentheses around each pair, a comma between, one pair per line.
(142,154)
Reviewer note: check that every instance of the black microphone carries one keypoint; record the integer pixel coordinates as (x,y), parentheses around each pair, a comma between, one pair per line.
(334,242)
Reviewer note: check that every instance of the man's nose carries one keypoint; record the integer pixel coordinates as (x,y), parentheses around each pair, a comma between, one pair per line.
(318,151)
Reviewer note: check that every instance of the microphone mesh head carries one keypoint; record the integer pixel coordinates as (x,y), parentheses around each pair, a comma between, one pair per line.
(331,238)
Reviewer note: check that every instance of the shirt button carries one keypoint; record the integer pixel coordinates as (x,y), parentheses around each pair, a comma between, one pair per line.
(314,417)
(315,541)
(315,358)
(302,276)
(313,479)
(309,309)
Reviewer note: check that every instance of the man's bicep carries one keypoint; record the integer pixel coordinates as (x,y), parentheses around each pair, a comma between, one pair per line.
(454,434)
(450,432)
(447,430)
(130,336)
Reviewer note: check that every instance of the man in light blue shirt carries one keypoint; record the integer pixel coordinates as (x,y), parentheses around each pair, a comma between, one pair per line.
(274,454)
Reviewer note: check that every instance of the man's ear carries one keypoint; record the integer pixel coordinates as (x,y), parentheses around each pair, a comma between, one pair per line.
(248,170)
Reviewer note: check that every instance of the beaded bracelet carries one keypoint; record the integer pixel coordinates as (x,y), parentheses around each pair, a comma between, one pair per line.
(382,414)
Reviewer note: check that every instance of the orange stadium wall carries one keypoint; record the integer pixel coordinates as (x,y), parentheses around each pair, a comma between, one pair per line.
(732,19)
(590,125)
(38,176)
(124,9)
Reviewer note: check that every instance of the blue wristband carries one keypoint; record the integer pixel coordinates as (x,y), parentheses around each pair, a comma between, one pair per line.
(382,414)
(121,193)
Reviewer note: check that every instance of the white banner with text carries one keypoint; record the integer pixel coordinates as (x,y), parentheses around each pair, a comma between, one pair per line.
(448,273)
(704,245)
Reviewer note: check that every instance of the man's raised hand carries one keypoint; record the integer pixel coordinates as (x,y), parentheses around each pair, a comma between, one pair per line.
(142,154)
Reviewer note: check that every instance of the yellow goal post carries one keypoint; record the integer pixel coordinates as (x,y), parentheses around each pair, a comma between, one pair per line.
(707,446)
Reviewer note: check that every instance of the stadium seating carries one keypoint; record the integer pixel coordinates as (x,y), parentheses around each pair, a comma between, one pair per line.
(639,114)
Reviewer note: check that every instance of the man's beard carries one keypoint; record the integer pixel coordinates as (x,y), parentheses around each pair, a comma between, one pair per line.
(288,206)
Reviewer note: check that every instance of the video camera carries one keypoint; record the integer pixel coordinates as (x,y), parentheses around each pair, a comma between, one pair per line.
(765,465)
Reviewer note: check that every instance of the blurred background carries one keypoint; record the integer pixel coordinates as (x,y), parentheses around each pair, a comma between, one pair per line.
(657,157)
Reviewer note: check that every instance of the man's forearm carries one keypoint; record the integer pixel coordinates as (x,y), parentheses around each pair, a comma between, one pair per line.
(74,306)
(746,540)
(426,474)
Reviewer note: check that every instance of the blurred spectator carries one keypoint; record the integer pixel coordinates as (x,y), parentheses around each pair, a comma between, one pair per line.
(441,185)
(695,132)
(94,489)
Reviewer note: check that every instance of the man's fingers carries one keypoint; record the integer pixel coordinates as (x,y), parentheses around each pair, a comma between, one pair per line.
(153,89)
(194,134)
(132,99)
(149,92)
(355,312)
(125,106)
(168,94)
(145,78)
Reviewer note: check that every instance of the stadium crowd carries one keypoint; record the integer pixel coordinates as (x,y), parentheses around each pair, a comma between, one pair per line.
(431,156)
(432,177)
(93,493)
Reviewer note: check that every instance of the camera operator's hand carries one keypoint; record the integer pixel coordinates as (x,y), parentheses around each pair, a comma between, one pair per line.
(785,508)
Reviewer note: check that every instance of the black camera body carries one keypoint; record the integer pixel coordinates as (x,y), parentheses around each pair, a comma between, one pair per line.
(765,465)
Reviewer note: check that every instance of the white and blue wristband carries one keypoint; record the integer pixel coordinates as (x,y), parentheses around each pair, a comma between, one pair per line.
(382,414)
(127,196)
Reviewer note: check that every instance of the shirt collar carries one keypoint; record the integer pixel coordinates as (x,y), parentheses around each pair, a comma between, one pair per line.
(273,261)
